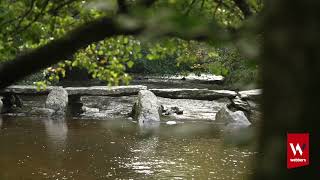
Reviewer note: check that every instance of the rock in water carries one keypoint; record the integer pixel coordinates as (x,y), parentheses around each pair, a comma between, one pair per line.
(57,100)
(232,119)
(10,102)
(253,94)
(177,110)
(41,112)
(90,110)
(170,110)
(146,109)
(239,104)
(171,122)
(199,94)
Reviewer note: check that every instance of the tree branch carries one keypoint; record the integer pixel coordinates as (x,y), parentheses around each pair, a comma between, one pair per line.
(60,49)
(202,4)
(55,10)
(64,47)
(26,13)
(190,7)
(81,37)
(21,17)
(217,7)
(19,30)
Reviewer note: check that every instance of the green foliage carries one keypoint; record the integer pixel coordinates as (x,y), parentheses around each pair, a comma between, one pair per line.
(242,72)
(174,56)
(28,24)
(106,60)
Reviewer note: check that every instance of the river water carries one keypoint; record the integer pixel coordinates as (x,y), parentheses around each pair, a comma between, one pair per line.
(35,148)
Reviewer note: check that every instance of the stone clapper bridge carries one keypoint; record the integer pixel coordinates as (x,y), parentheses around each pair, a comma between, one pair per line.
(181,104)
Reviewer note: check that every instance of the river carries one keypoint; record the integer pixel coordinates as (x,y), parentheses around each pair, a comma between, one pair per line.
(40,148)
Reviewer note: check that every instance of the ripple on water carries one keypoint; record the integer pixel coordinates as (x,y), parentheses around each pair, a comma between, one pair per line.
(117,149)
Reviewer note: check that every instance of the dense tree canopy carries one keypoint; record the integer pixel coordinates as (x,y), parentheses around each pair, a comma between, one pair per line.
(29,24)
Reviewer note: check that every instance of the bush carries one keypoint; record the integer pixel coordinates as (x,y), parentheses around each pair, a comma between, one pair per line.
(239,72)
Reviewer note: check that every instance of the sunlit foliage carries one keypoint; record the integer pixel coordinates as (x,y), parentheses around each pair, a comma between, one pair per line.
(28,24)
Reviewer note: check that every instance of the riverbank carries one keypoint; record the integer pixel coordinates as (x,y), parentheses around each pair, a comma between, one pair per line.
(191,80)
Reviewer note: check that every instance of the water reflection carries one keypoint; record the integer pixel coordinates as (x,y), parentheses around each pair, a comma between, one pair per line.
(57,131)
(90,149)
(1,121)
(142,154)
(149,128)
(145,149)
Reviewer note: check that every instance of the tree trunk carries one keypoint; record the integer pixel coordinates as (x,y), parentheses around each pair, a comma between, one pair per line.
(291,71)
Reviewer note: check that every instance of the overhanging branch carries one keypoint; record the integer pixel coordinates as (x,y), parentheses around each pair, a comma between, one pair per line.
(60,49)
